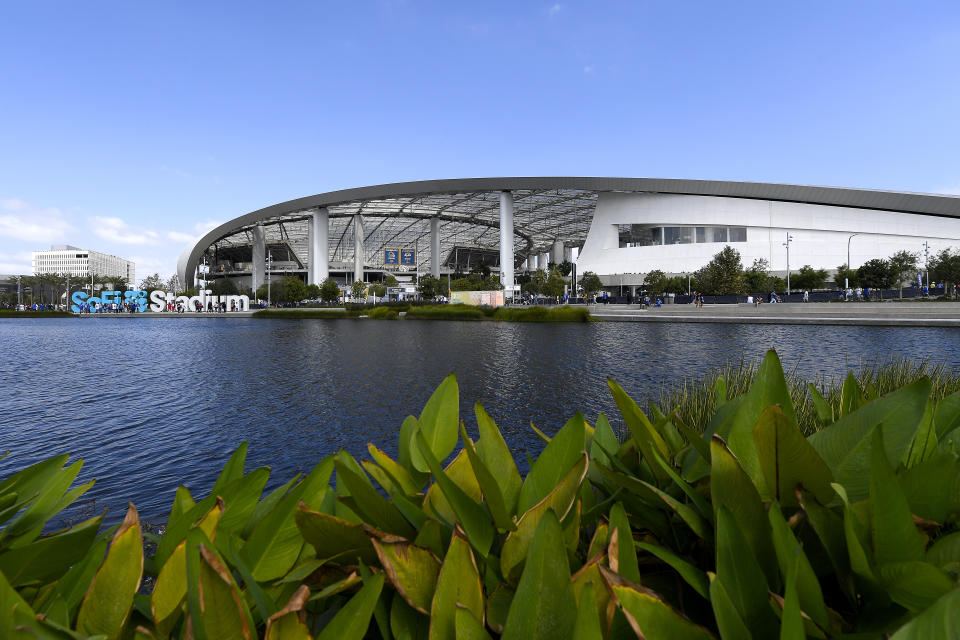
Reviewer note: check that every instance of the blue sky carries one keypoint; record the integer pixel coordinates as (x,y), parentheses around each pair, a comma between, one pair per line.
(132,127)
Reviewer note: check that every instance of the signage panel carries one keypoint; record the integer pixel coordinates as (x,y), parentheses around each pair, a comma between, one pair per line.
(408,257)
(391,256)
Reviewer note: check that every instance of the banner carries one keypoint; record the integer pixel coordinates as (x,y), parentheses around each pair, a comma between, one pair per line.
(408,257)
(391,256)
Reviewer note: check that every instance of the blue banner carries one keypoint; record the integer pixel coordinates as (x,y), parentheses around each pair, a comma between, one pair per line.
(391,256)
(408,257)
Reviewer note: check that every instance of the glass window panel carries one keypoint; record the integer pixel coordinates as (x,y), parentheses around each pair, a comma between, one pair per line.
(738,234)
(677,235)
(701,234)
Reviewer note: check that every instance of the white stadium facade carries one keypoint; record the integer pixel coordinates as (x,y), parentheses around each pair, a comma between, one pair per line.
(618,228)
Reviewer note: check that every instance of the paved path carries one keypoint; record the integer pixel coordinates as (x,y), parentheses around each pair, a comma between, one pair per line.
(888,314)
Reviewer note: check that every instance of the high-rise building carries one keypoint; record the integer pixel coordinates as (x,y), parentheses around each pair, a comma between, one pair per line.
(80,263)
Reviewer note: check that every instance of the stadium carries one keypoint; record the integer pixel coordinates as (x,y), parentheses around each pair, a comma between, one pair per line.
(618,228)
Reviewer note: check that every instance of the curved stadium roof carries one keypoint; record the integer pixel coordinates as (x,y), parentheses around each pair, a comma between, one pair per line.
(546,209)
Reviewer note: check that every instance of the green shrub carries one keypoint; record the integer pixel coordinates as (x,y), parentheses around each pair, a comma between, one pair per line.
(748,530)
(384,313)
(307,313)
(542,314)
(446,312)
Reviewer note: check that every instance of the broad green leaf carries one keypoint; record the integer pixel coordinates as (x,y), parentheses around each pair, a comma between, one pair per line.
(352,620)
(240,498)
(822,408)
(559,501)
(845,446)
(265,604)
(941,620)
(49,557)
(438,423)
(828,527)
(498,606)
(925,441)
(768,388)
(895,536)
(945,551)
(695,439)
(787,459)
(17,619)
(402,478)
(182,503)
(334,537)
(460,473)
(554,463)
(376,509)
(411,569)
(644,433)
(406,623)
(540,434)
(620,548)
(267,505)
(405,442)
(544,605)
(728,619)
(232,470)
(687,570)
(914,585)
(604,439)
(743,580)
(793,560)
(288,623)
(731,488)
(468,627)
(458,583)
(73,586)
(926,486)
(223,612)
(590,574)
(28,484)
(947,415)
(649,616)
(702,504)
(494,453)
(472,516)
(856,535)
(791,622)
(274,544)
(587,626)
(488,485)
(30,523)
(851,398)
(107,604)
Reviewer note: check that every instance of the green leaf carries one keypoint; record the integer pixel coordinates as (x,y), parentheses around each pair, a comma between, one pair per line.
(352,620)
(924,442)
(769,388)
(287,624)
(895,536)
(647,613)
(947,415)
(787,459)
(266,505)
(182,503)
(460,473)
(795,567)
(73,586)
(730,487)
(941,620)
(495,454)
(468,627)
(402,478)
(28,483)
(28,526)
(471,515)
(376,509)
(107,604)
(544,605)
(743,580)
(49,557)
(556,460)
(914,585)
(559,501)
(406,623)
(587,626)
(728,619)
(688,571)
(223,611)
(828,527)
(488,485)
(17,619)
(333,537)
(438,423)
(232,470)
(823,410)
(621,551)
(855,535)
(945,551)
(926,486)
(458,584)
(604,440)
(644,433)
(240,498)
(411,569)
(845,446)
(791,623)
(851,398)
(498,606)
(720,391)
(408,430)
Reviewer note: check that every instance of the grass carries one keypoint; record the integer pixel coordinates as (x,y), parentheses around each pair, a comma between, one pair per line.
(9,313)
(695,401)
(437,312)
(305,314)
(542,314)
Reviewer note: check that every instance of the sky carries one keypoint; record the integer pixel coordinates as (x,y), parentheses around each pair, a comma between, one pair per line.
(133,127)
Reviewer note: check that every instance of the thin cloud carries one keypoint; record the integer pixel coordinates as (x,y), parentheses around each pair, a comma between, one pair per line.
(588,69)
(13,204)
(178,236)
(207,225)
(116,230)
(25,222)
(554,9)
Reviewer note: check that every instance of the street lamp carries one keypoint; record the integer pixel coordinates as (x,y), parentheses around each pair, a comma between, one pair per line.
(787,245)
(846,279)
(269,266)
(926,259)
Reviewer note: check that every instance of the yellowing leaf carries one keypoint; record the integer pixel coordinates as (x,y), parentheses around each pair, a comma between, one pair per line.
(289,622)
(411,569)
(458,583)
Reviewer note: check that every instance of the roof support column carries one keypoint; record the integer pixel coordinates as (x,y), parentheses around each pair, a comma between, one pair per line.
(358,247)
(557,252)
(435,247)
(259,258)
(318,268)
(544,260)
(506,243)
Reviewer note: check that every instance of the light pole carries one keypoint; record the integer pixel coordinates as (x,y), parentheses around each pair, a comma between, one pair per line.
(787,245)
(269,266)
(926,259)
(19,299)
(846,279)
(688,284)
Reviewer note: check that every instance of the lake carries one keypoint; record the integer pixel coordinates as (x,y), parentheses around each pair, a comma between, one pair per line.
(153,403)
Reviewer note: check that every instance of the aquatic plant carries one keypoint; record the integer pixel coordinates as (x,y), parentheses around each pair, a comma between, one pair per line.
(749,529)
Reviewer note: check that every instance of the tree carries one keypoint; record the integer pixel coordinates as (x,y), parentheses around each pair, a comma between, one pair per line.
(757,277)
(294,290)
(358,289)
(845,277)
(875,273)
(378,290)
(390,281)
(429,287)
(151,283)
(655,282)
(221,287)
(174,285)
(945,267)
(903,266)
(329,291)
(591,284)
(723,274)
(565,268)
(809,278)
(554,284)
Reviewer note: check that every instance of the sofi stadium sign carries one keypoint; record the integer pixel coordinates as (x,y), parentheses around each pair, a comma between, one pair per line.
(157,301)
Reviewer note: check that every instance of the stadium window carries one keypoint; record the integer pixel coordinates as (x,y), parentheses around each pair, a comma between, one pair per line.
(738,234)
